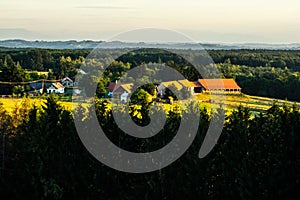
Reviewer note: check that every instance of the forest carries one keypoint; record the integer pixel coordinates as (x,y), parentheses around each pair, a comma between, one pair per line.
(43,157)
(268,73)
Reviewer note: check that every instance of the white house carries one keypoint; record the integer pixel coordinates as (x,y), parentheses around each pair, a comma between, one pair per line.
(124,97)
(67,82)
(121,90)
(57,88)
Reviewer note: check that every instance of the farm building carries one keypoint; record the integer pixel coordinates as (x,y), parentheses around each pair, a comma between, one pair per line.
(161,88)
(220,85)
(124,97)
(122,91)
(112,86)
(194,87)
(57,88)
(38,86)
(67,82)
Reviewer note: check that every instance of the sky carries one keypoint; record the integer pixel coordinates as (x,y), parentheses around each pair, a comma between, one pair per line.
(225,21)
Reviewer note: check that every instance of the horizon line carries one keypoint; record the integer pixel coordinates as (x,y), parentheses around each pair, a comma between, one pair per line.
(147,42)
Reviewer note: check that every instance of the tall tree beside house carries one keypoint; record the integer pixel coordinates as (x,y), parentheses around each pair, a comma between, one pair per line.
(182,93)
(38,61)
(63,67)
(11,71)
(18,90)
(101,91)
(89,82)
(141,102)
(150,88)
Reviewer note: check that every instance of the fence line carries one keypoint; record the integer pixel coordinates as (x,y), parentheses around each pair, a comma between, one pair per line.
(28,82)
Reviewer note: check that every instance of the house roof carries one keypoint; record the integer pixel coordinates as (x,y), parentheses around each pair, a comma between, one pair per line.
(127,87)
(123,87)
(189,84)
(218,84)
(185,83)
(113,85)
(175,83)
(57,85)
(66,79)
(39,85)
(195,84)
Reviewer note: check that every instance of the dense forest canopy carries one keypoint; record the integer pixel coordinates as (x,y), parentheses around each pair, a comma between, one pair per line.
(255,157)
(251,58)
(270,73)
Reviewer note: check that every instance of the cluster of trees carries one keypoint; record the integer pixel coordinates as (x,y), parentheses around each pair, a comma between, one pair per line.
(259,57)
(13,70)
(264,81)
(42,157)
(171,59)
(41,59)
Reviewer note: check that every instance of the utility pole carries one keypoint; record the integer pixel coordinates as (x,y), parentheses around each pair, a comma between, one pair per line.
(43,83)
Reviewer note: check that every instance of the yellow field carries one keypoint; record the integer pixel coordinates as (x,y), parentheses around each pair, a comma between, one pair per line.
(10,104)
(39,73)
(229,102)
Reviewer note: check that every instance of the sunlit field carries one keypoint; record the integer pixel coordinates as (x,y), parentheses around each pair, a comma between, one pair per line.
(228,102)
(232,101)
(10,104)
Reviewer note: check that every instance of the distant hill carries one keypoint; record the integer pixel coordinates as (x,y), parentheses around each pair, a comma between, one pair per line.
(89,44)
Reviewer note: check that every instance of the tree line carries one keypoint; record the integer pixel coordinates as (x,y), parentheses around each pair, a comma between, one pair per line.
(264,81)
(259,57)
(43,157)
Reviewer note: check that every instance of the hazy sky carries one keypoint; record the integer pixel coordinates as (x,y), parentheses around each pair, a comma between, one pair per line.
(273,21)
